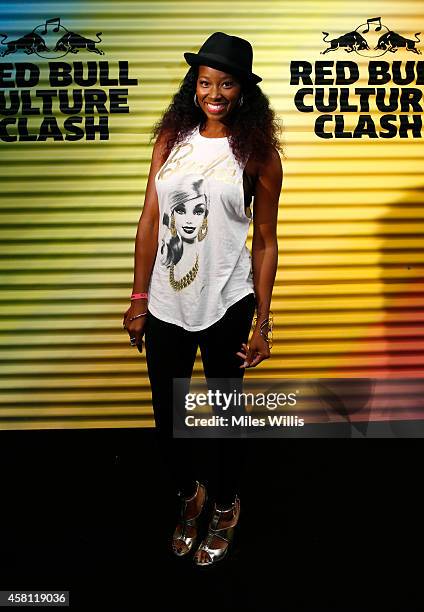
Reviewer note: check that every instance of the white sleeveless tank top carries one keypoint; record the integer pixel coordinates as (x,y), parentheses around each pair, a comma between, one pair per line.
(203,265)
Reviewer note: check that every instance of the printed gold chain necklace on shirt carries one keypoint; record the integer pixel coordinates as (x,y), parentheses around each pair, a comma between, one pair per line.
(186,279)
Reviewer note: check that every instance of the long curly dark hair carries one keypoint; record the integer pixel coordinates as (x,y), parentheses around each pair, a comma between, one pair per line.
(253,130)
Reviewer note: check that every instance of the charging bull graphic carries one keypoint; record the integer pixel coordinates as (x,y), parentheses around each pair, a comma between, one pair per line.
(371,39)
(30,43)
(391,41)
(73,42)
(352,41)
(50,40)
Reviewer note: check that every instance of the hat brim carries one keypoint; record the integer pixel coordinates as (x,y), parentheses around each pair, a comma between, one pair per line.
(206,59)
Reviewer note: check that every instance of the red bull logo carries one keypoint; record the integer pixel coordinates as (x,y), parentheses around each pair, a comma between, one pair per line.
(50,40)
(371,39)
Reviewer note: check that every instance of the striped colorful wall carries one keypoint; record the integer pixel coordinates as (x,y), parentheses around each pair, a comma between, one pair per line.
(349,293)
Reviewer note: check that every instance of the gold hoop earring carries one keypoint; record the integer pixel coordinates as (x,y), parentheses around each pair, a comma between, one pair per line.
(203,230)
(172,227)
(196,103)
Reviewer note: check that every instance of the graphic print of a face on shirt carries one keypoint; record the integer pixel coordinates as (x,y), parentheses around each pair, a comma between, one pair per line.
(185,220)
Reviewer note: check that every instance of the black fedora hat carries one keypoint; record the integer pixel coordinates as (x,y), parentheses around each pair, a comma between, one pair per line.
(228,53)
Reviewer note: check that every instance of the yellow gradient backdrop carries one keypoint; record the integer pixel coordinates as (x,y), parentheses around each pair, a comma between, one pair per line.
(348,298)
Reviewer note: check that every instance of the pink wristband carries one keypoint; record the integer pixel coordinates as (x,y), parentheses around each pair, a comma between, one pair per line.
(138,296)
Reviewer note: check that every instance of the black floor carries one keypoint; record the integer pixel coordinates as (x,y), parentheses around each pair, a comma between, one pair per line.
(325,525)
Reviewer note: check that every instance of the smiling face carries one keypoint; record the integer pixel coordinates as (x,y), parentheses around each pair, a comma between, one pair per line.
(217,92)
(189,217)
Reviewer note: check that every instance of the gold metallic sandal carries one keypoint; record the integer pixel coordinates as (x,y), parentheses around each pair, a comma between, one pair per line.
(185,522)
(226,534)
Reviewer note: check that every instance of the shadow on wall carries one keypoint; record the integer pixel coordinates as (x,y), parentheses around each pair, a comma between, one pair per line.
(389,400)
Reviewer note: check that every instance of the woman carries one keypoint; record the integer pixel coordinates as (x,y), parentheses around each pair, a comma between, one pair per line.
(216,147)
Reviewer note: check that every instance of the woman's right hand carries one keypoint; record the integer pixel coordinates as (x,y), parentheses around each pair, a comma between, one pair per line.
(136,327)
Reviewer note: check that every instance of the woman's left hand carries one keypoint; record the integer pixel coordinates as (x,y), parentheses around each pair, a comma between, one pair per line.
(257,351)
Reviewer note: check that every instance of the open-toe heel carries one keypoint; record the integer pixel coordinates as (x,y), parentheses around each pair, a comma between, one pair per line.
(186,531)
(225,534)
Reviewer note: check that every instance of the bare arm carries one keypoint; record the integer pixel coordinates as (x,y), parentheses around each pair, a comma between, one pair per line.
(145,246)
(264,243)
(147,231)
(264,251)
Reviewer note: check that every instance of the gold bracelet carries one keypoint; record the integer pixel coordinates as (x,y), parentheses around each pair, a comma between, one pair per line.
(269,321)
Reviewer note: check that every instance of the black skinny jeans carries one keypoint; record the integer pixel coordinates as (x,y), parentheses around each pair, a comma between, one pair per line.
(170,353)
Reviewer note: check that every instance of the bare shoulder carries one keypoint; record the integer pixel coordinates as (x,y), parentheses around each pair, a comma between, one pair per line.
(268,189)
(269,165)
(151,206)
(159,146)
